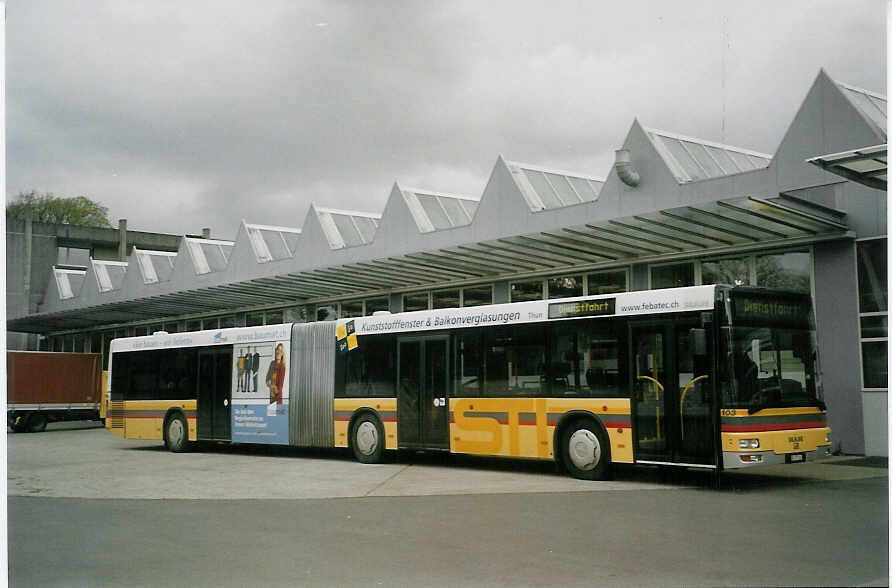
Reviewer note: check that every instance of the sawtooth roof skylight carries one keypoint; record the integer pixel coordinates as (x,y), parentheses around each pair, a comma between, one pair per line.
(272,243)
(871,104)
(546,189)
(154,266)
(435,211)
(209,255)
(69,281)
(695,159)
(345,228)
(109,274)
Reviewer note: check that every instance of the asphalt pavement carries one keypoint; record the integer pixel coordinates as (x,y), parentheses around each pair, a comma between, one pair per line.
(86,508)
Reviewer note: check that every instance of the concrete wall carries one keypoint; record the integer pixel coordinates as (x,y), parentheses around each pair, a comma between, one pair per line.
(836,317)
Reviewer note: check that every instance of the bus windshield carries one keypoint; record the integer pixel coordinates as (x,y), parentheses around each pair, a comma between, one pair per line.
(771,367)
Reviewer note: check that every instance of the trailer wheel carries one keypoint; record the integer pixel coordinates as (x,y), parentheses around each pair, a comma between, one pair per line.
(19,424)
(36,422)
(176,433)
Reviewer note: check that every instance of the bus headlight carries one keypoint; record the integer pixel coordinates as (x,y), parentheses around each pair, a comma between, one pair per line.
(751,458)
(827,437)
(749,443)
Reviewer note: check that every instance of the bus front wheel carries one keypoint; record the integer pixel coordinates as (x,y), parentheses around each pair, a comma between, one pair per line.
(586,452)
(367,439)
(176,433)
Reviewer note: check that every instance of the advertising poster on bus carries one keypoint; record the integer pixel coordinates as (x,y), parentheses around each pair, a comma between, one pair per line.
(260,392)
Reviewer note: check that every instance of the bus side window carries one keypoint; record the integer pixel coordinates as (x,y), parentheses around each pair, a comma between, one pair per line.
(563,374)
(515,360)
(468,362)
(602,358)
(370,369)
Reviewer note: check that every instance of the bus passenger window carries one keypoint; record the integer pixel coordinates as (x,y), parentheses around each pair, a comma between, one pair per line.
(563,361)
(600,360)
(515,361)
(370,369)
(468,362)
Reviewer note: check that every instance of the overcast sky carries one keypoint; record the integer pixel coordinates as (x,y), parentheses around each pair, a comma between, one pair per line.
(183,115)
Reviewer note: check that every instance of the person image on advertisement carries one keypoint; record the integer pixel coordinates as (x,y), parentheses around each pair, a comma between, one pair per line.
(275,375)
(241,372)
(255,367)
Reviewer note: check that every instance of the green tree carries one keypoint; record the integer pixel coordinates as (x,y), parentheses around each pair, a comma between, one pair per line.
(46,208)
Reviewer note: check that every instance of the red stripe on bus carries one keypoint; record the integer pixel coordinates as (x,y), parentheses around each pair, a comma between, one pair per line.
(151,416)
(551,423)
(776,427)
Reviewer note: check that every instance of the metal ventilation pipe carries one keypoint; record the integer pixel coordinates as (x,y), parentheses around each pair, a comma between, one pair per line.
(624,168)
(206,233)
(122,239)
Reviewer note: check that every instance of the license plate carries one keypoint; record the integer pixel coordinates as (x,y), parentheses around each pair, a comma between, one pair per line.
(794,457)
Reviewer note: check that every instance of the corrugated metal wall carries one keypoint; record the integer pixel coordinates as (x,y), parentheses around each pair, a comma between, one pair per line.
(311,402)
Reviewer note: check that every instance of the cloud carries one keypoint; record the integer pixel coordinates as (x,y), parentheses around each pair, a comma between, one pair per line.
(184,115)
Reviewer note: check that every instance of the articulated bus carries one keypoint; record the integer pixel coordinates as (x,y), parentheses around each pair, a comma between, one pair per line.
(713,377)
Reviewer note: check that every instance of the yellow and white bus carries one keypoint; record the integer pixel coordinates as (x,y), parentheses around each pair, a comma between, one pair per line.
(713,377)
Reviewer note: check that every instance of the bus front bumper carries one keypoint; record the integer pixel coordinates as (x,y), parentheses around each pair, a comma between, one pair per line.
(746,459)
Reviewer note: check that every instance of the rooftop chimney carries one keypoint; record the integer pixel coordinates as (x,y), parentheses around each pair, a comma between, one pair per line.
(122,239)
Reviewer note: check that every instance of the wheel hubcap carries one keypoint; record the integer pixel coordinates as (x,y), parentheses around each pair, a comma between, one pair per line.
(584,450)
(175,432)
(367,438)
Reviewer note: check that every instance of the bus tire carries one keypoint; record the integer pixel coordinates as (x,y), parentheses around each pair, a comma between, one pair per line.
(367,439)
(176,433)
(36,422)
(585,450)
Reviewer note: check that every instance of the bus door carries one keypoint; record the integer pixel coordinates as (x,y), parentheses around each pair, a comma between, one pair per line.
(422,401)
(672,393)
(214,393)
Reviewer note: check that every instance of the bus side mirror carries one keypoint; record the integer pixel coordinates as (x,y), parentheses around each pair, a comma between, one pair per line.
(698,341)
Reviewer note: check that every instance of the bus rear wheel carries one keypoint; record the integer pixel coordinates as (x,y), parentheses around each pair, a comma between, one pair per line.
(176,433)
(367,439)
(585,451)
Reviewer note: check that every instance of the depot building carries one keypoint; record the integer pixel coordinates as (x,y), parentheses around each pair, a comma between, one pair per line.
(672,211)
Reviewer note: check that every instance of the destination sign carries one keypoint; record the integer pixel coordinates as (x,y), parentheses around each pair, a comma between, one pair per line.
(602,307)
(780,310)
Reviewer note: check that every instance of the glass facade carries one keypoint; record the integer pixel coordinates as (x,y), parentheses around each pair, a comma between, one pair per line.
(373,305)
(254,318)
(608,282)
(734,271)
(445,298)
(672,276)
(565,287)
(416,301)
(528,290)
(477,296)
(788,271)
(873,309)
(351,309)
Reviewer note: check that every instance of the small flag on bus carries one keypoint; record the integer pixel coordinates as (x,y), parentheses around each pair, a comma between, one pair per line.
(346,337)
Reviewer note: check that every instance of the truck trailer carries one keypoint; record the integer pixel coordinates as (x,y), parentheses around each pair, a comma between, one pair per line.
(45,387)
